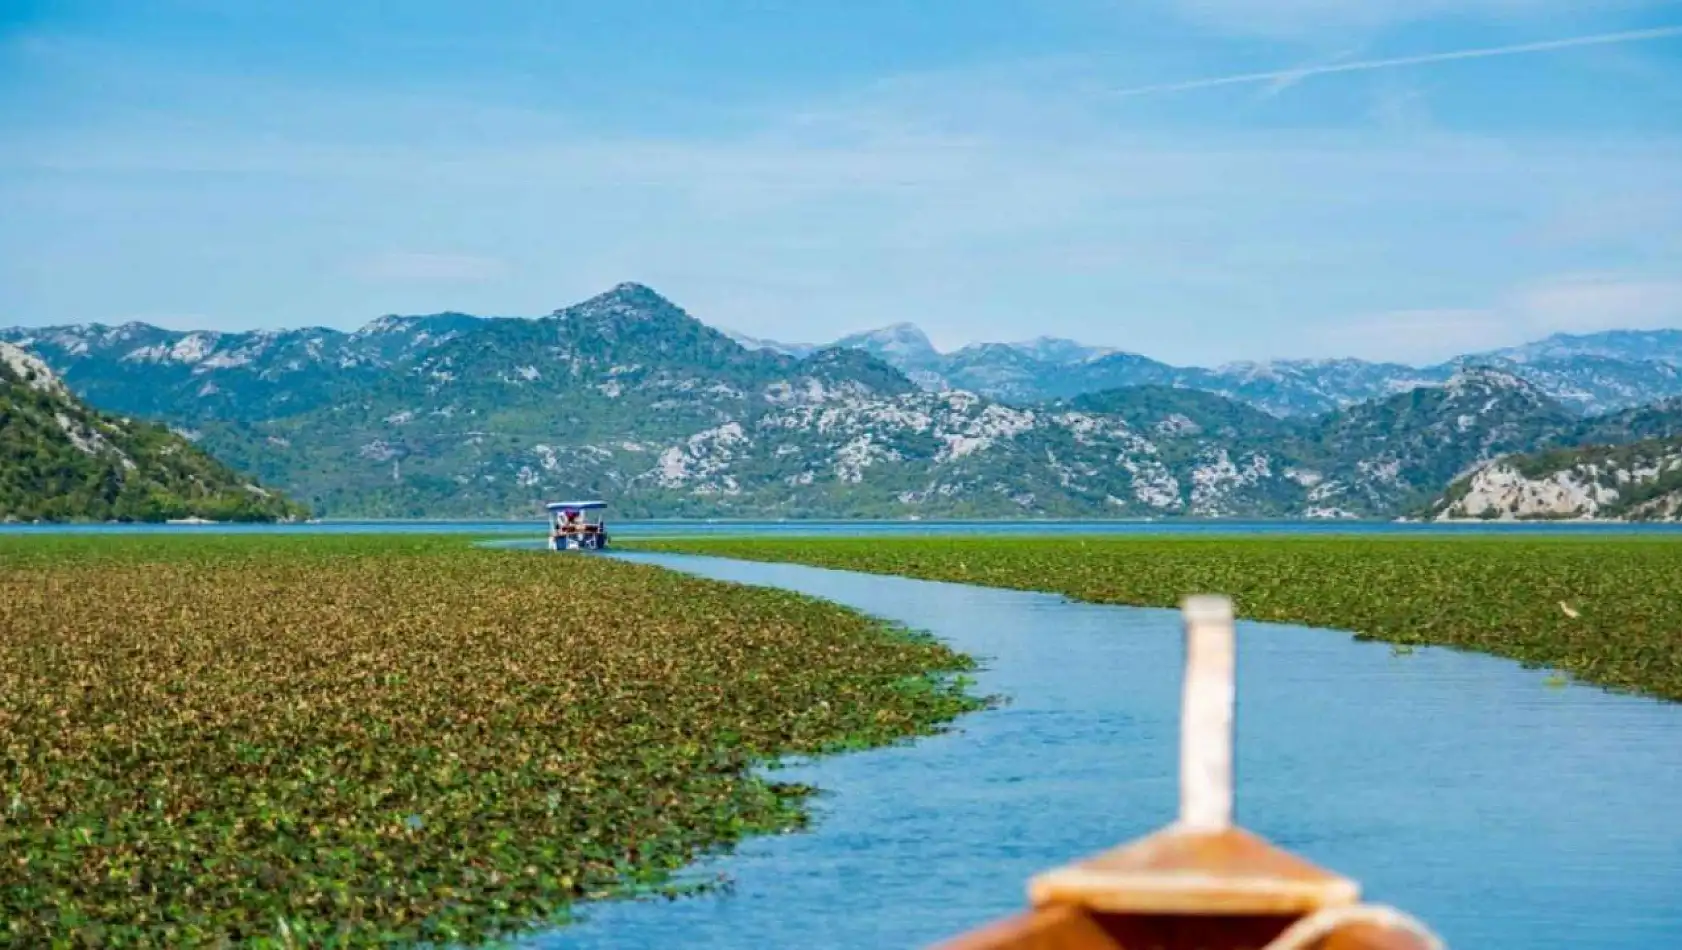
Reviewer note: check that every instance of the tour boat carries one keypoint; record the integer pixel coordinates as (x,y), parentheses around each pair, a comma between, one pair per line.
(577,526)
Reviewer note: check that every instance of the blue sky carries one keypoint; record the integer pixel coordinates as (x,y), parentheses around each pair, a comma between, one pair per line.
(988,169)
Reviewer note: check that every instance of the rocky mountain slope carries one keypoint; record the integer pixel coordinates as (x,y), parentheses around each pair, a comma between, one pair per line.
(60,460)
(1635,482)
(629,396)
(1620,466)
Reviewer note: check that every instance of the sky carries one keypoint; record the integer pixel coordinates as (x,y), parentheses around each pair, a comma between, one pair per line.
(1197,180)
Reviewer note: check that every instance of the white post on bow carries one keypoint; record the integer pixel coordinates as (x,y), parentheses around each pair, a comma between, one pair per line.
(1206,714)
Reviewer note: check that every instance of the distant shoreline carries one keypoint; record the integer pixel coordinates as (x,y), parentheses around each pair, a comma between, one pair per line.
(864,527)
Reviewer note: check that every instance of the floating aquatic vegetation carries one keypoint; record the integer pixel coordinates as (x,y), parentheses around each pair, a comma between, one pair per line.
(1606,610)
(356,741)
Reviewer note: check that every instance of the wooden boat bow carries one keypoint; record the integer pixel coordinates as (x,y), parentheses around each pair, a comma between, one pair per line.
(1200,882)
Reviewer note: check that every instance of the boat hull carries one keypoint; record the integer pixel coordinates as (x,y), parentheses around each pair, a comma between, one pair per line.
(1075,928)
(576,543)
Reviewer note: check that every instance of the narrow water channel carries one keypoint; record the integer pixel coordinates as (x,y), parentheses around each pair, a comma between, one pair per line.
(1463,789)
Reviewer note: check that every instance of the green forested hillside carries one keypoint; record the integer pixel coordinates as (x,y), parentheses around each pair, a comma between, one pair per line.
(61,461)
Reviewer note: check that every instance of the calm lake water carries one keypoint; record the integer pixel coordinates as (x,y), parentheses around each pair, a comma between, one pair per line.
(1458,787)
(651,529)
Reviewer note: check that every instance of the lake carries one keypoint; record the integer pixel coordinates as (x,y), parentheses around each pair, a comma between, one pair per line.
(866,528)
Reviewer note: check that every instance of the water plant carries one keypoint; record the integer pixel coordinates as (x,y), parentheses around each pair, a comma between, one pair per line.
(350,741)
(1620,625)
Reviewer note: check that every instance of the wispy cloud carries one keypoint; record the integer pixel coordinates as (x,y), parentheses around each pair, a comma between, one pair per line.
(1286,77)
(1291,77)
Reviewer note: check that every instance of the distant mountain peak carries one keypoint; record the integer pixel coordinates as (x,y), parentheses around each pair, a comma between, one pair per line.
(626,301)
(896,341)
(1485,377)
(388,323)
(902,330)
(1056,349)
(635,294)
(775,346)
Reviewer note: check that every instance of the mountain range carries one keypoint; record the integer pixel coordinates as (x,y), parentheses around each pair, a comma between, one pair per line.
(627,395)
(1590,373)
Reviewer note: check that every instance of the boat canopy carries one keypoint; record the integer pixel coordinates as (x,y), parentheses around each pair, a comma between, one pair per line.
(575,505)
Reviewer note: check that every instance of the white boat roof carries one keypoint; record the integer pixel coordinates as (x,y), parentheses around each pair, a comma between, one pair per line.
(558,505)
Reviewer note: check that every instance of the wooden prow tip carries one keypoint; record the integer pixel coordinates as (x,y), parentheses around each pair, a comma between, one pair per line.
(1200,864)
(1200,882)
(1206,709)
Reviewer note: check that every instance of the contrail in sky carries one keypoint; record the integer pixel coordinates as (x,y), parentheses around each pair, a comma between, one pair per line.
(1292,76)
